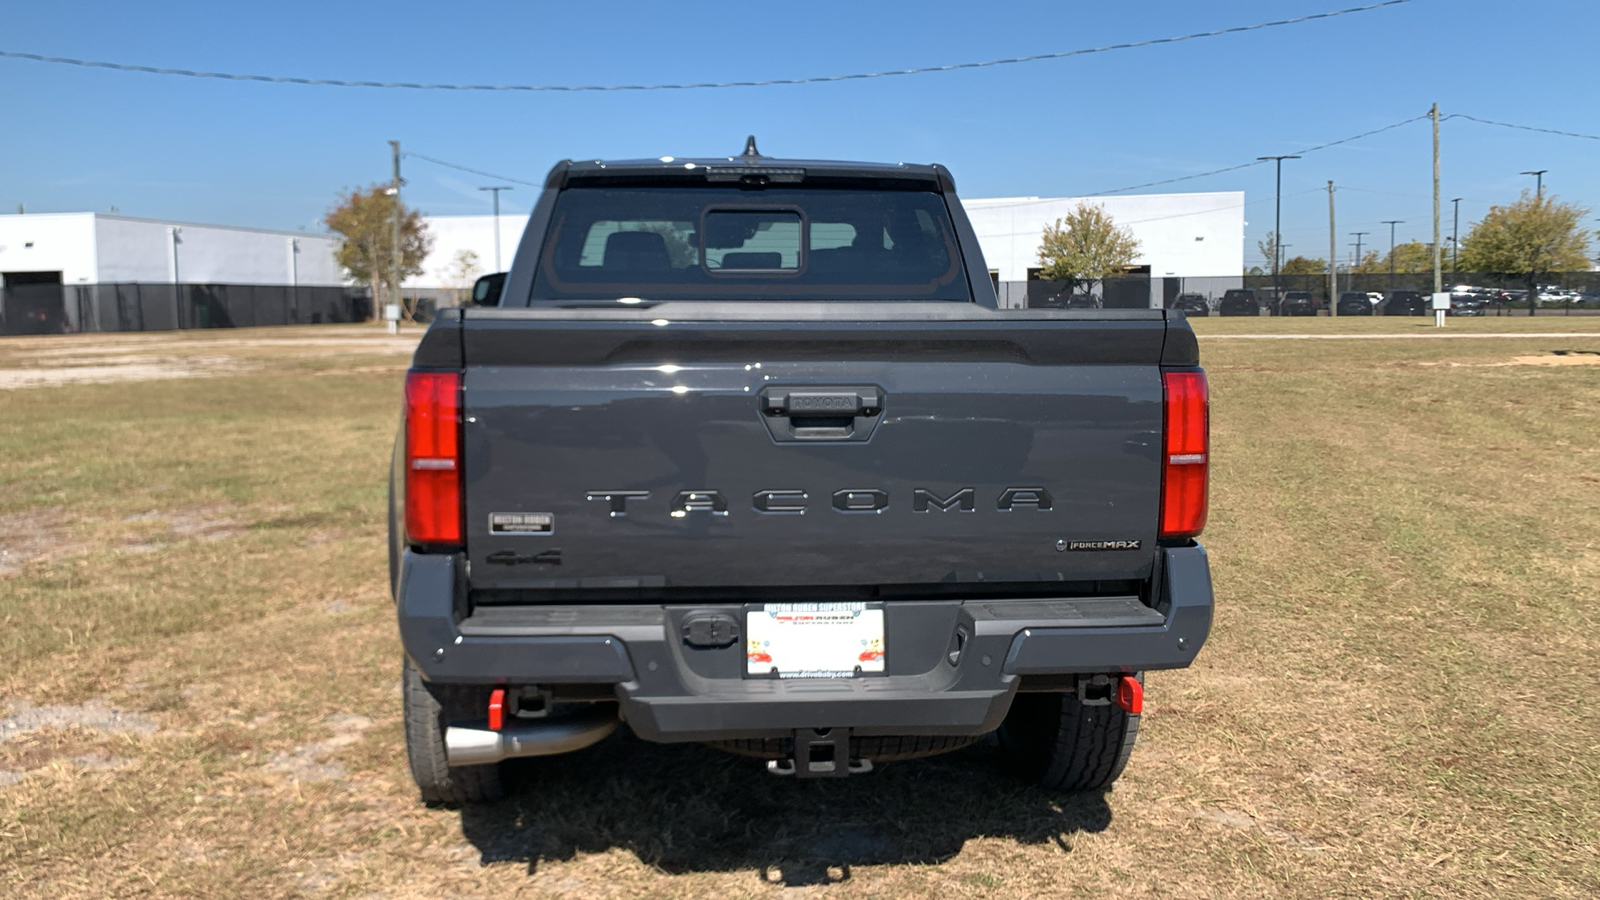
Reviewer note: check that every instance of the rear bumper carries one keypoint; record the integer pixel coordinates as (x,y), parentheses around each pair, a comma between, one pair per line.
(670,691)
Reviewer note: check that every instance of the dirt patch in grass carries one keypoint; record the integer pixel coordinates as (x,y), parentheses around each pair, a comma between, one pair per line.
(101,372)
(36,534)
(1559,358)
(1546,358)
(309,762)
(60,360)
(53,533)
(33,737)
(95,715)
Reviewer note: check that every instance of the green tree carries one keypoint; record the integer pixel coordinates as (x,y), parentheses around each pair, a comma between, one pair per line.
(1269,251)
(364,222)
(1371,264)
(1086,247)
(1535,235)
(1300,265)
(463,270)
(1411,257)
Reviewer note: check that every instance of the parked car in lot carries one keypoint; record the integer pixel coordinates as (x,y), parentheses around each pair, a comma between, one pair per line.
(1466,300)
(1354,303)
(1191,304)
(1404,303)
(1298,303)
(1239,302)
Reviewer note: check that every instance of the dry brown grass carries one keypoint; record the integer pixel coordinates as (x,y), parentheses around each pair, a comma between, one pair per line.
(1397,698)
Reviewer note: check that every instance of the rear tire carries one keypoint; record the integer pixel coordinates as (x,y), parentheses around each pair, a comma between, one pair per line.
(1064,745)
(429,710)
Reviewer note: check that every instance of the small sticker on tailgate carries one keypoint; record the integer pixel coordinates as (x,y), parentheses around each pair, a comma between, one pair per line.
(522,523)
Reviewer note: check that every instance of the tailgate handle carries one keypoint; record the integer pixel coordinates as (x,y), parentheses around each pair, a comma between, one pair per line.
(822,404)
(821,414)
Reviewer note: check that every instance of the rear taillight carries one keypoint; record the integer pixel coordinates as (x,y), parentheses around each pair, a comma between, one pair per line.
(1187,458)
(433,458)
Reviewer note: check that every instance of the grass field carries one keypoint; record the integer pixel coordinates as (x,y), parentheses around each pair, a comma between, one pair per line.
(199,695)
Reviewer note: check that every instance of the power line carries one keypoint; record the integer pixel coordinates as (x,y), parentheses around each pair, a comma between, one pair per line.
(330,82)
(1147,184)
(1591,137)
(1353,137)
(451,165)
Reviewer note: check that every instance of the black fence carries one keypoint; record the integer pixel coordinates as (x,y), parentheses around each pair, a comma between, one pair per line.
(1584,283)
(1559,291)
(1132,292)
(58,309)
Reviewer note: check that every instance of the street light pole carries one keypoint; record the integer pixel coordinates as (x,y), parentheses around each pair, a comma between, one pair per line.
(1538,174)
(1359,258)
(1392,223)
(496,189)
(1277,218)
(1533,278)
(394,239)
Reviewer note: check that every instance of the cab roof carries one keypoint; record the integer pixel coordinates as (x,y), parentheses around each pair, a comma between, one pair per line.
(748,168)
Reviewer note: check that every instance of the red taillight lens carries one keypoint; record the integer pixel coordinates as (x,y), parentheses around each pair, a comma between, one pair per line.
(1187,459)
(433,457)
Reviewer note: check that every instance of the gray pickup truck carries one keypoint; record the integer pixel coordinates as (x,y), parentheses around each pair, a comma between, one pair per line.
(746,455)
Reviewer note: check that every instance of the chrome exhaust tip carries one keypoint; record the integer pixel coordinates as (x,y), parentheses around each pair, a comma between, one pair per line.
(537,737)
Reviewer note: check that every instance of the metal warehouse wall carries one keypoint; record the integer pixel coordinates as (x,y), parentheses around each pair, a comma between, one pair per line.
(140,250)
(1180,235)
(53,242)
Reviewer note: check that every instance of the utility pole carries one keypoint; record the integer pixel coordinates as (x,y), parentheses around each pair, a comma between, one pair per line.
(1392,223)
(1359,260)
(1333,259)
(1533,287)
(394,191)
(1455,236)
(1277,220)
(1438,277)
(496,189)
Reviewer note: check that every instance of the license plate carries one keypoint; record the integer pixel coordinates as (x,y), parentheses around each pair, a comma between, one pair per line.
(814,640)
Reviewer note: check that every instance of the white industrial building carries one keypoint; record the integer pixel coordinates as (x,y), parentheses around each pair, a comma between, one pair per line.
(93,248)
(95,272)
(1181,236)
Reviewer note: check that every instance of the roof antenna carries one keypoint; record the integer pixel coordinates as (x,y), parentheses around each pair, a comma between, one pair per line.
(750,147)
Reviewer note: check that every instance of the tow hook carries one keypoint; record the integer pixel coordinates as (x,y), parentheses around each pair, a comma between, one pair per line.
(1130,695)
(820,753)
(1126,691)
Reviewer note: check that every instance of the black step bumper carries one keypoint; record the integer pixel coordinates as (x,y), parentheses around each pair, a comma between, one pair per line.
(670,691)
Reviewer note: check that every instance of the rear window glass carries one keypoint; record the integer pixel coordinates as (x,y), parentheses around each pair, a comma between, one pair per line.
(609,243)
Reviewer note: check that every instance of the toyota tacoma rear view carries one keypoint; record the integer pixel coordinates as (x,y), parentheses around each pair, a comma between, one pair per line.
(746,455)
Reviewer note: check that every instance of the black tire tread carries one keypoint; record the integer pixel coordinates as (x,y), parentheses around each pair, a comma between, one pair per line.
(1065,745)
(429,708)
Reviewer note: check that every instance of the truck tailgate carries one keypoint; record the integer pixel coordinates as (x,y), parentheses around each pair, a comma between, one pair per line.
(671,448)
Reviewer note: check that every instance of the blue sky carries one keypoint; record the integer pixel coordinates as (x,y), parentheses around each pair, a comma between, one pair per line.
(275,155)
